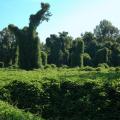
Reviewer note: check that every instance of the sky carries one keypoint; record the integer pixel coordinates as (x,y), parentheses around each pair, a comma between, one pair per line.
(73,16)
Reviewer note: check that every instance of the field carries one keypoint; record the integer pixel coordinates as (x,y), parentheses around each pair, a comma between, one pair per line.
(73,74)
(60,94)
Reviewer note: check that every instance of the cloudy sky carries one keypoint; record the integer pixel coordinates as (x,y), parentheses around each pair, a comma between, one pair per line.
(73,16)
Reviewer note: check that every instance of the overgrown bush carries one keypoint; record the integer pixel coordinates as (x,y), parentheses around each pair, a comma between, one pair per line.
(67,100)
(112,69)
(88,68)
(104,65)
(64,66)
(100,68)
(24,95)
(1,64)
(8,112)
(47,66)
(117,69)
(53,66)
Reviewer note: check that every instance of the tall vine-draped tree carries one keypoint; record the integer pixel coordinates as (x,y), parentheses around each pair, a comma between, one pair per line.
(58,48)
(28,40)
(77,53)
(66,44)
(52,45)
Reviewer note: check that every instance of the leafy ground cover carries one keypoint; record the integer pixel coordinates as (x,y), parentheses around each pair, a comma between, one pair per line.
(61,93)
(8,112)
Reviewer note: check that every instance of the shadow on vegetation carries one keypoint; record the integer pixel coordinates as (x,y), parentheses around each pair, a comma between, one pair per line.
(65,100)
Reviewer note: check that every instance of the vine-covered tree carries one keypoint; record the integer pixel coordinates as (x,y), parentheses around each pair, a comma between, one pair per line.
(103,56)
(44,58)
(77,53)
(22,46)
(115,54)
(28,40)
(7,48)
(58,48)
(92,48)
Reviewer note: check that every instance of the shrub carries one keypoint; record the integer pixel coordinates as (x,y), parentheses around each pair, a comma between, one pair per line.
(8,112)
(99,68)
(50,66)
(67,100)
(1,64)
(47,66)
(117,69)
(104,65)
(112,69)
(23,94)
(53,66)
(64,66)
(88,68)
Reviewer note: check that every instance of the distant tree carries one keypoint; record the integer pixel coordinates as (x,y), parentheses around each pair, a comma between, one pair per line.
(106,30)
(28,40)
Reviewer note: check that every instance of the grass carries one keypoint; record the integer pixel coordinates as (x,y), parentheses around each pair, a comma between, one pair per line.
(73,74)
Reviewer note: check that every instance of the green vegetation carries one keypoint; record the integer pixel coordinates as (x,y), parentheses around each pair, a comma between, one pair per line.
(8,112)
(28,41)
(22,48)
(78,79)
(62,94)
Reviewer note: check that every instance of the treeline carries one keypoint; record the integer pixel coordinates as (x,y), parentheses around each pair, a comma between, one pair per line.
(21,47)
(90,49)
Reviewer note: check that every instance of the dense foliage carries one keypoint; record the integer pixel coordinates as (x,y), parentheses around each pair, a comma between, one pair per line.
(91,49)
(62,94)
(7,48)
(22,48)
(89,91)
(102,46)
(28,47)
(8,112)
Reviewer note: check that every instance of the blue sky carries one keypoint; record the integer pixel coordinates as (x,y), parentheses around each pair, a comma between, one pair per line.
(73,16)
